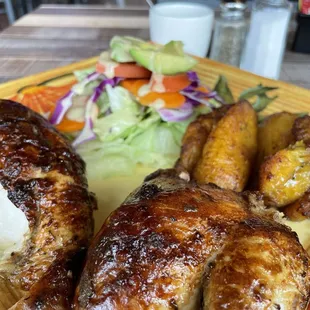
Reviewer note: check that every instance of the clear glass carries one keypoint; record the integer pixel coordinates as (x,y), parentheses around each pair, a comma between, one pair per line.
(266,41)
(229,34)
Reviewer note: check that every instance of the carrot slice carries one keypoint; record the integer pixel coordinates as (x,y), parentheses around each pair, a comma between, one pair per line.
(68,125)
(133,86)
(125,70)
(170,100)
(169,83)
(41,99)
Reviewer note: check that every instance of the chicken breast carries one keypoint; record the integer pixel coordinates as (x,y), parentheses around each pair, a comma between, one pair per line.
(44,178)
(176,245)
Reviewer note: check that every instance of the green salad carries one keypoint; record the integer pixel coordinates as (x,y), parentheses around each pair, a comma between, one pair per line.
(134,106)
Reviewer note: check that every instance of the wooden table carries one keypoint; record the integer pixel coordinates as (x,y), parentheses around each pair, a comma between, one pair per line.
(55,35)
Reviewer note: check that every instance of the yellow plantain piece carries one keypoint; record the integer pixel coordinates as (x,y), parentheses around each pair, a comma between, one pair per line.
(285,176)
(193,141)
(195,138)
(230,149)
(274,134)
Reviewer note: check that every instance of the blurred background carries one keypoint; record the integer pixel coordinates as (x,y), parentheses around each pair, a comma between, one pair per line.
(11,10)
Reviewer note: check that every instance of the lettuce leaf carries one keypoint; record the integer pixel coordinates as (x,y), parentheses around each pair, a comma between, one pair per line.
(80,75)
(106,159)
(112,126)
(150,142)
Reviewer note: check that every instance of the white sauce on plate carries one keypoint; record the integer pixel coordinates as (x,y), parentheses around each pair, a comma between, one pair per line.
(14,226)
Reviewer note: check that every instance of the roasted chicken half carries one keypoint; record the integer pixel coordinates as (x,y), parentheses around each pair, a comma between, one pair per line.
(45,179)
(176,245)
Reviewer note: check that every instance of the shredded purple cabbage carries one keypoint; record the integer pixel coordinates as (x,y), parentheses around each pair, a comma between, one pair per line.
(87,132)
(170,115)
(62,106)
(176,115)
(196,100)
(193,77)
(65,103)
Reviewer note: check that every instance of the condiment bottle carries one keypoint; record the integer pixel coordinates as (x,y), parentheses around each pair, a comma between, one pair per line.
(229,33)
(266,40)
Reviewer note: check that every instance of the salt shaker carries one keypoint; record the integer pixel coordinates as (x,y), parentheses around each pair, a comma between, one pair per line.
(229,33)
(266,41)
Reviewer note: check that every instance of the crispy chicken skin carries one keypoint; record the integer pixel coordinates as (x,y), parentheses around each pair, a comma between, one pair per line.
(176,245)
(44,178)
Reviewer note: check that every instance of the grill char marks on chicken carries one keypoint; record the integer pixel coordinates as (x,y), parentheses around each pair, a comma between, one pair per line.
(176,245)
(44,178)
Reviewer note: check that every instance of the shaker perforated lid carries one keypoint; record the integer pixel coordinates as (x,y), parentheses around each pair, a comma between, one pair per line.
(233,5)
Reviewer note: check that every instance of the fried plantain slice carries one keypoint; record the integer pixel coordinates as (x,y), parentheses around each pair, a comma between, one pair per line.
(230,149)
(193,141)
(284,177)
(195,138)
(274,134)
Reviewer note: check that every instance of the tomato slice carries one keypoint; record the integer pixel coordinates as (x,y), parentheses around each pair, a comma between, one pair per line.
(42,99)
(124,70)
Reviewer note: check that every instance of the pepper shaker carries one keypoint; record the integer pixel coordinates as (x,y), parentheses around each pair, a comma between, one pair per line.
(229,33)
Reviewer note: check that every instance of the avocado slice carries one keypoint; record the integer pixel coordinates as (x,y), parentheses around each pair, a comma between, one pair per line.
(169,59)
(120,47)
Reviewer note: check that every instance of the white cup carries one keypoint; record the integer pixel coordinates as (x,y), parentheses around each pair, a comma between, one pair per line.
(190,23)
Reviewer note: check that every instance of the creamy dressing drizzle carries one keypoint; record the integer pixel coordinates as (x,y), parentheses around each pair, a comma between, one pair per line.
(158,104)
(110,69)
(157,83)
(77,110)
(144,90)
(110,65)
